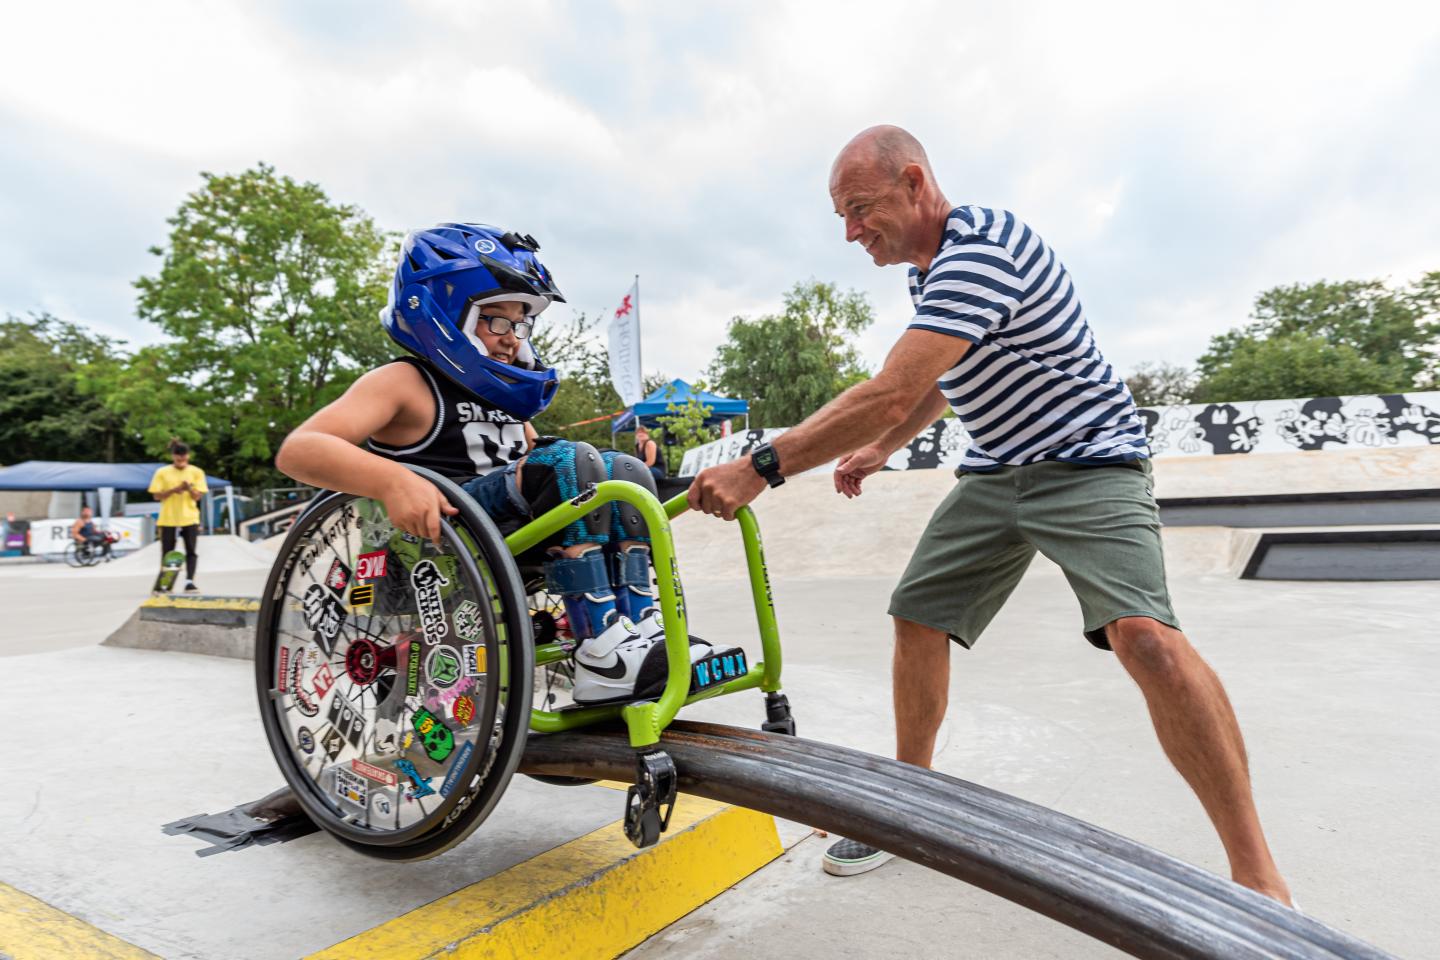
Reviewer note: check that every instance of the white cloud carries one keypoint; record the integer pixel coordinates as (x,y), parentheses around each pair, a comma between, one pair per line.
(1180,159)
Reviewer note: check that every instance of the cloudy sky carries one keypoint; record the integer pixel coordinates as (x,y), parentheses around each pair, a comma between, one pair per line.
(1179,157)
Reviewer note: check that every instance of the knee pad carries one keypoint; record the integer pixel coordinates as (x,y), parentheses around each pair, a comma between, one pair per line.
(626,522)
(560,471)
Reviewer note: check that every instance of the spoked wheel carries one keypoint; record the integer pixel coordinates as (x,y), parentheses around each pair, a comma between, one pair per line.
(77,555)
(556,681)
(394,674)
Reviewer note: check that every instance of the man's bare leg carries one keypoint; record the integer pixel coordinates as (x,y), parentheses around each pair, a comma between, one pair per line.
(921,689)
(1198,731)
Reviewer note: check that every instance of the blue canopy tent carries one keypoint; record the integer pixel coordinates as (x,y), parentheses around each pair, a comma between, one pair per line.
(59,475)
(92,478)
(678,392)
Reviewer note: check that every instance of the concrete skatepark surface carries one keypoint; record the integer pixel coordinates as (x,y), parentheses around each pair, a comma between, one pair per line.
(1333,684)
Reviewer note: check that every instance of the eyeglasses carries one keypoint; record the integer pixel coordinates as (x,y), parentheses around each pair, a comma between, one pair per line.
(503,325)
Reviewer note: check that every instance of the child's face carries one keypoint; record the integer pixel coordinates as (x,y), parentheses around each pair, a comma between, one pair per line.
(501,346)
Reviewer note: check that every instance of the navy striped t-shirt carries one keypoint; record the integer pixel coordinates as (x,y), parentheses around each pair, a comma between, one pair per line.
(1034,386)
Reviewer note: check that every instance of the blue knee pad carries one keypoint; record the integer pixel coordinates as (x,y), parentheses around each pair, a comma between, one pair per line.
(630,575)
(584,585)
(568,469)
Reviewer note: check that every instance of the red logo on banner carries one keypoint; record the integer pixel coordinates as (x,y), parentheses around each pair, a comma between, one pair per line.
(624,309)
(370,566)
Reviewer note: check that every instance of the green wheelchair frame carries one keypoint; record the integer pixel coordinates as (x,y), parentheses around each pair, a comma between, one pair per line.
(647,720)
(652,797)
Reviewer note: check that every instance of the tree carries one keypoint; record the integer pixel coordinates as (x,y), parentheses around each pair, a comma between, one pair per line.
(1293,365)
(684,425)
(271,293)
(1160,384)
(585,392)
(790,364)
(1379,340)
(46,411)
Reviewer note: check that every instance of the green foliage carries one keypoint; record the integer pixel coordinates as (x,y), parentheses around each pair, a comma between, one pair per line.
(684,425)
(1331,339)
(1294,365)
(790,364)
(585,391)
(1160,384)
(271,294)
(46,410)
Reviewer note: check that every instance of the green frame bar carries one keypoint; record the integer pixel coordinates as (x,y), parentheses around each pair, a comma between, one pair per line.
(646,721)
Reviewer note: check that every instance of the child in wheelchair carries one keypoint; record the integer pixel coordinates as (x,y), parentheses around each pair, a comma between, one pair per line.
(463,304)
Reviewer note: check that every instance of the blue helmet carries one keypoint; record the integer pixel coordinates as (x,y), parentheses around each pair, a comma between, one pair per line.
(444,274)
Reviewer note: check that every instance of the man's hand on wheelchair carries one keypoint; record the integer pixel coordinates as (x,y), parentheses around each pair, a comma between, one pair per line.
(722,490)
(415,504)
(854,467)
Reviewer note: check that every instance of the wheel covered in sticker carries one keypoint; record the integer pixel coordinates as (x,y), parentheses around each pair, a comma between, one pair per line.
(394,673)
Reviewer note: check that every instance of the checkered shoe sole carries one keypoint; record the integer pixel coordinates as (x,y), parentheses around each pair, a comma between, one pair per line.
(846,858)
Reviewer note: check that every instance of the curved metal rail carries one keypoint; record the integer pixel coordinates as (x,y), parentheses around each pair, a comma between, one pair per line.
(1118,891)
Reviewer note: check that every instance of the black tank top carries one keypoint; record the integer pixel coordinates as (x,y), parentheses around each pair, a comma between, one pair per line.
(659,463)
(469,438)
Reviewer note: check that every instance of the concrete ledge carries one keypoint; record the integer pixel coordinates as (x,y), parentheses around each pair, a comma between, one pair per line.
(31,929)
(214,626)
(589,899)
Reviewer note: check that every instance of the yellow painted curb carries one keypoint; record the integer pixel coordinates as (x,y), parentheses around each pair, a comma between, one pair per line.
(31,929)
(592,898)
(201,603)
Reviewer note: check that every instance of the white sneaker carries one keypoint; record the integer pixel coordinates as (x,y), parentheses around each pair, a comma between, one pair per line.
(618,665)
(710,665)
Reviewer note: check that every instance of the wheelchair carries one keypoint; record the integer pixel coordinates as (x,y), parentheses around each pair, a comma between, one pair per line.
(87,554)
(396,675)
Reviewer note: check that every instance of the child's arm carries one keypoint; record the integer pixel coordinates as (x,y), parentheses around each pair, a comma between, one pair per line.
(323,451)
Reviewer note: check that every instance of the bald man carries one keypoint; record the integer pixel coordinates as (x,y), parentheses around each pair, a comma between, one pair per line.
(1058,463)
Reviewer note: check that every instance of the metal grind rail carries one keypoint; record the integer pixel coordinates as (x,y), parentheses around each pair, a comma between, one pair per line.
(1118,891)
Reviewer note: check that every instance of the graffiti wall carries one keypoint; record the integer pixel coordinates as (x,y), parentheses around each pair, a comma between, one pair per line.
(1195,430)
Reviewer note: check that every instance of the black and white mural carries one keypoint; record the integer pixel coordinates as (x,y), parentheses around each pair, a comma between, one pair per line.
(1256,426)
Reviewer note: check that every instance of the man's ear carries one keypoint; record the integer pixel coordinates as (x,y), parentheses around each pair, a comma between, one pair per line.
(913,176)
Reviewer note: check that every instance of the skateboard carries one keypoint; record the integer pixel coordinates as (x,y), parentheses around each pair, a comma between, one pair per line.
(169,572)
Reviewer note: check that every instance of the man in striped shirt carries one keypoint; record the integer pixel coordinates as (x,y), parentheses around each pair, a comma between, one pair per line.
(1058,463)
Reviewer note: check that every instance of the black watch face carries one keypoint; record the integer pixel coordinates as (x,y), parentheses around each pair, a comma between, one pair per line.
(765,459)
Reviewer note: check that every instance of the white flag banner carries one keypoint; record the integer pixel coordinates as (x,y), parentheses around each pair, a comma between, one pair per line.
(625,347)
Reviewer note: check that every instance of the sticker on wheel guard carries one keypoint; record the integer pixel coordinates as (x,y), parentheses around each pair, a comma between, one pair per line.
(716,669)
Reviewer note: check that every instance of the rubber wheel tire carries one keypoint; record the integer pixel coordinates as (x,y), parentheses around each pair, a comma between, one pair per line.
(472,809)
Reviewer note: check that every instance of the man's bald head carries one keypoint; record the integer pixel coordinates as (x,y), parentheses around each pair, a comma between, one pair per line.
(883,188)
(885,150)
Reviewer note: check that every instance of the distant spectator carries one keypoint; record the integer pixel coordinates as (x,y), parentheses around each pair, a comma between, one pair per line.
(649,451)
(179,487)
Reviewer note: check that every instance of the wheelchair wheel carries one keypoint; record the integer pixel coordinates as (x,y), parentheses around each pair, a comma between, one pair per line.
(394,674)
(77,555)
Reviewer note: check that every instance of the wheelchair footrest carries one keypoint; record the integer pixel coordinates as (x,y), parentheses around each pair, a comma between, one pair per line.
(718,668)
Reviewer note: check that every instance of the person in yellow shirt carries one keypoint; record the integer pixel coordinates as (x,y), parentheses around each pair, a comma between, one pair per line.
(179,487)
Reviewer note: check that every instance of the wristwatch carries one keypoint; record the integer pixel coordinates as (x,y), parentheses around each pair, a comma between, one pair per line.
(767,463)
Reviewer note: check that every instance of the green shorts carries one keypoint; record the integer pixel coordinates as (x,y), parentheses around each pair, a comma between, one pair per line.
(1099,523)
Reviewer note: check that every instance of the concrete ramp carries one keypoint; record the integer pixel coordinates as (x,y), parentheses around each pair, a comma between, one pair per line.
(811,531)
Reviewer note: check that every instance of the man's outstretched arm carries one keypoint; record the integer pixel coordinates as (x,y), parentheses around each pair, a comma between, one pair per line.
(875,409)
(860,416)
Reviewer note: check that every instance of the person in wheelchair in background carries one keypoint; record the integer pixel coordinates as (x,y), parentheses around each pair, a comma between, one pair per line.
(89,540)
(460,404)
